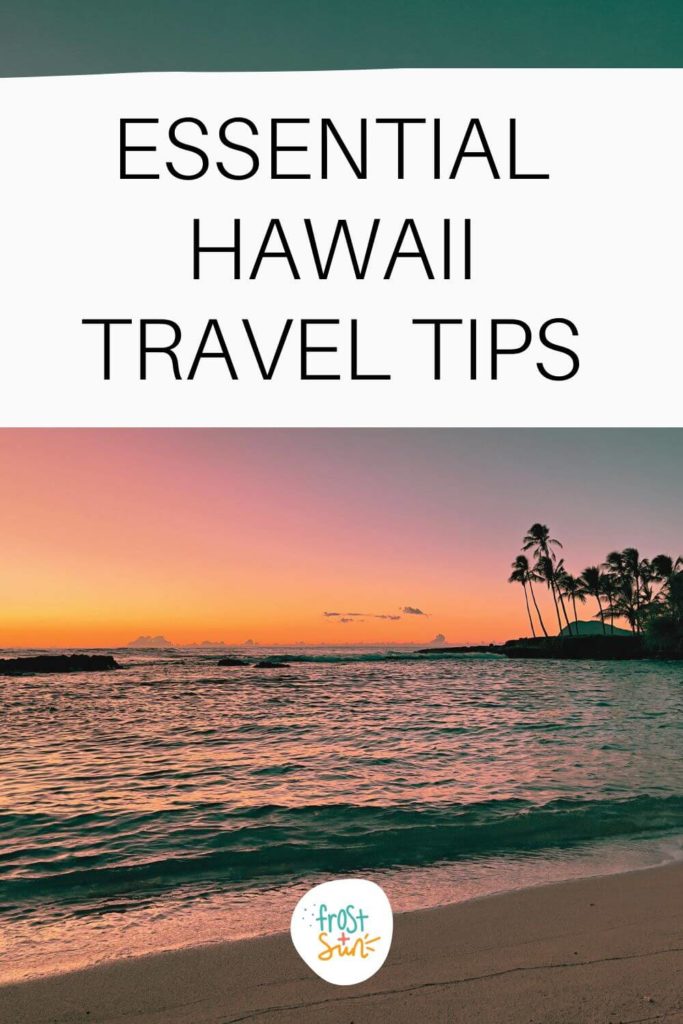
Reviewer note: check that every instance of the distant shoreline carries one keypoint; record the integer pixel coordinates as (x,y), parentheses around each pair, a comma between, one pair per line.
(575,648)
(633,647)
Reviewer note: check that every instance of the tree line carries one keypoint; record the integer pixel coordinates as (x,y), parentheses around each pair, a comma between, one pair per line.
(646,593)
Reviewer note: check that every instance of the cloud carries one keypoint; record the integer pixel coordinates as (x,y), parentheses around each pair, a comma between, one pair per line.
(409,610)
(438,640)
(359,616)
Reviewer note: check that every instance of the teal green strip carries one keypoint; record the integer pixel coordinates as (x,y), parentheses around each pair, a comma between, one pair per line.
(46,37)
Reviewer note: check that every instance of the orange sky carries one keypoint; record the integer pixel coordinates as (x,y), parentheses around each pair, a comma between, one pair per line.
(230,535)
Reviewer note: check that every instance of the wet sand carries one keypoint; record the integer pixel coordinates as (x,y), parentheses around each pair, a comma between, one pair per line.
(602,950)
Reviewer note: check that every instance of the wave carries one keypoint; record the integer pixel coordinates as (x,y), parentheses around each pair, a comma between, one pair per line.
(152,853)
(375,656)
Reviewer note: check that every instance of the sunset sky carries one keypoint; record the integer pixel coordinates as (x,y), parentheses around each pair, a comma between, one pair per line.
(255,534)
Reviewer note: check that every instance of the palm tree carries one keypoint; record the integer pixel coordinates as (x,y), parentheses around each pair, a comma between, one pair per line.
(530,579)
(560,575)
(640,573)
(632,576)
(608,589)
(538,539)
(592,580)
(618,571)
(574,590)
(520,574)
(623,604)
(544,571)
(559,572)
(663,569)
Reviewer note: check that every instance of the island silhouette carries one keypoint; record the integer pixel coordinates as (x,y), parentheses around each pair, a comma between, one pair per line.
(646,593)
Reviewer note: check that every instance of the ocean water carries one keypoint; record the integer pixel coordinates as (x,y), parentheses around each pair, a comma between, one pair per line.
(177,802)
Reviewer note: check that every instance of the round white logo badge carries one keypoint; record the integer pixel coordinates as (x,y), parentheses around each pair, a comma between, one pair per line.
(343,930)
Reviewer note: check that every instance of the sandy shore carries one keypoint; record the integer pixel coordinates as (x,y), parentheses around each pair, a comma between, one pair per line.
(595,950)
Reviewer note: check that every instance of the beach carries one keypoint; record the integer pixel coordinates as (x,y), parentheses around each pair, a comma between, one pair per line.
(606,949)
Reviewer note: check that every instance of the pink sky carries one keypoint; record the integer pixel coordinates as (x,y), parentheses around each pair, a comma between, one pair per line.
(230,534)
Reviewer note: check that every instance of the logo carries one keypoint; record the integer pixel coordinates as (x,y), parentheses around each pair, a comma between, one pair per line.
(343,930)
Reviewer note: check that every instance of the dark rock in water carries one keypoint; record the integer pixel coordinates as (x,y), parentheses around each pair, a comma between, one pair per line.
(470,649)
(57,663)
(228,662)
(271,664)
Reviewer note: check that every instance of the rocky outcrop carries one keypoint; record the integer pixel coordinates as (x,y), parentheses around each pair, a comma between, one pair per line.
(579,648)
(617,647)
(436,652)
(57,663)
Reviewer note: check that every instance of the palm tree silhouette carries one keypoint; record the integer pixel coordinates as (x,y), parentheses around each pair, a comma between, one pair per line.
(639,573)
(538,539)
(647,593)
(558,572)
(632,576)
(521,573)
(544,572)
(592,580)
(663,569)
(573,588)
(608,590)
